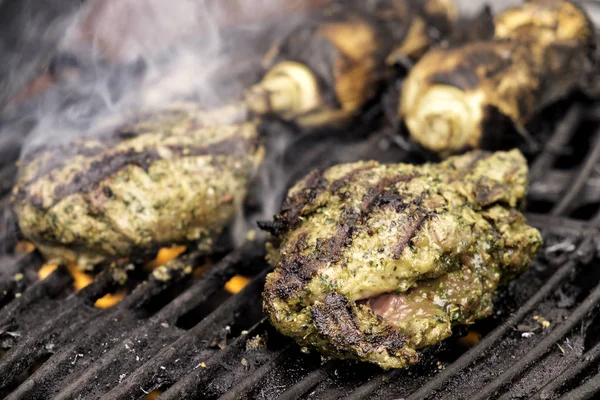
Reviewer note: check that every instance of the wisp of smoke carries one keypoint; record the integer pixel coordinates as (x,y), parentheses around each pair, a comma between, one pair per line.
(134,55)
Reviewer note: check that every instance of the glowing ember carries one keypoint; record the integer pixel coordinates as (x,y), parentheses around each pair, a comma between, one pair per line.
(236,284)
(470,340)
(110,300)
(165,255)
(198,272)
(81,280)
(24,247)
(46,270)
(153,395)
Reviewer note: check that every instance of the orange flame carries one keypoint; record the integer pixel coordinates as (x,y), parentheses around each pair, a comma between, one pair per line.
(153,395)
(236,284)
(46,270)
(81,280)
(24,247)
(470,340)
(165,255)
(110,300)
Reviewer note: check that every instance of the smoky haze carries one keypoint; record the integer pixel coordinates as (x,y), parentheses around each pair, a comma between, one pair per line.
(119,57)
(133,54)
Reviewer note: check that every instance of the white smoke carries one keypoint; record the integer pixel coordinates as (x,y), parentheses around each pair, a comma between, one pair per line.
(147,53)
(136,55)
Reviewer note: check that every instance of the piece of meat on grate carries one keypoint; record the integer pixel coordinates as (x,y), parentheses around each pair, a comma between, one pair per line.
(374,261)
(173,177)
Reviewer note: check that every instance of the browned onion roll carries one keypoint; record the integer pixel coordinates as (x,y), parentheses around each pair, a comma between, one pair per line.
(465,97)
(326,70)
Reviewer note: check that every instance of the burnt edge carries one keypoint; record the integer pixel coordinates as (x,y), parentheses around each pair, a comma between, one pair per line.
(110,164)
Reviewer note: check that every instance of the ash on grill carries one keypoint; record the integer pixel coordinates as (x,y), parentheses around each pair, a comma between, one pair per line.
(184,335)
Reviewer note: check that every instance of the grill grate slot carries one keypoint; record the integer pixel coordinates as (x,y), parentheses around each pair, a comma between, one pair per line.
(588,390)
(162,368)
(136,347)
(589,359)
(568,202)
(543,347)
(202,375)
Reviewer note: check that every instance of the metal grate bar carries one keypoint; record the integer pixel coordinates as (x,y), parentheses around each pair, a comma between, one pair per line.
(55,283)
(588,390)
(542,347)
(371,386)
(309,382)
(71,316)
(568,202)
(125,312)
(564,132)
(560,225)
(152,375)
(8,285)
(107,324)
(210,282)
(192,384)
(252,380)
(589,358)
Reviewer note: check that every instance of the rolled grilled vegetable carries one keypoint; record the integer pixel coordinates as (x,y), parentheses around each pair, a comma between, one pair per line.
(326,70)
(467,97)
(373,262)
(176,176)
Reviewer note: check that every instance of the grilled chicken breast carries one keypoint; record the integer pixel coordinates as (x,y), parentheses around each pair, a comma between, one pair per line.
(373,262)
(175,176)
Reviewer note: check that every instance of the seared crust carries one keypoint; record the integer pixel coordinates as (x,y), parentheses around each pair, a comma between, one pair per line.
(357,231)
(166,179)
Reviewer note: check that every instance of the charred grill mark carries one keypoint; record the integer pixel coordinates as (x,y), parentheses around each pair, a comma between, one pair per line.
(104,168)
(64,154)
(293,206)
(300,243)
(382,193)
(275,227)
(412,228)
(465,76)
(330,249)
(296,267)
(336,320)
(338,184)
(352,219)
(477,156)
(110,164)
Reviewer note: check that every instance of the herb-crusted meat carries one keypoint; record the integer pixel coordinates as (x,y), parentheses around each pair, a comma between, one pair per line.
(373,262)
(173,177)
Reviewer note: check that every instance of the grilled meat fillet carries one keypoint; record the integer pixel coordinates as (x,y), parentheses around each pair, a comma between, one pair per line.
(373,262)
(175,176)
(470,96)
(327,69)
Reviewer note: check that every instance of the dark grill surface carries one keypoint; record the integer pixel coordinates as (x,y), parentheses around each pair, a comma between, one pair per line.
(189,339)
(186,337)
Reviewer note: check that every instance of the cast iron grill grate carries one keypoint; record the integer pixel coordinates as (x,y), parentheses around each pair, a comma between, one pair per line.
(175,337)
